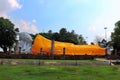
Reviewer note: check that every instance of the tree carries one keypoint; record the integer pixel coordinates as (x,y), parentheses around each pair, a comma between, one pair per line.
(97,39)
(115,36)
(73,37)
(7,34)
(56,36)
(81,40)
(63,33)
(67,36)
(50,34)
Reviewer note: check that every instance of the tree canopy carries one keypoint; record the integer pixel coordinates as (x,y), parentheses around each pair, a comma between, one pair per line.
(65,36)
(7,34)
(115,36)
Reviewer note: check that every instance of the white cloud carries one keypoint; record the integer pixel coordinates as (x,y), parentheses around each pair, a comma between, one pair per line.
(34,21)
(26,26)
(8,5)
(4,15)
(34,28)
(14,4)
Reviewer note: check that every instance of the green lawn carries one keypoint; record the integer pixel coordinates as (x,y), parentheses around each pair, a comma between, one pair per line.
(30,72)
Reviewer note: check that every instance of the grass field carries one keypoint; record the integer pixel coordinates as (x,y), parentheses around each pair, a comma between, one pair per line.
(30,72)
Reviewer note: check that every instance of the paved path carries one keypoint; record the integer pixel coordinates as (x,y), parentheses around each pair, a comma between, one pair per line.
(108,61)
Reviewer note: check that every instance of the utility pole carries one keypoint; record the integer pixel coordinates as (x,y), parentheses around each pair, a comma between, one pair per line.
(105,33)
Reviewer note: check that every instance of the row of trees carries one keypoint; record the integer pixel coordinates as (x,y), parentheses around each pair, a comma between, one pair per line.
(65,36)
(8,35)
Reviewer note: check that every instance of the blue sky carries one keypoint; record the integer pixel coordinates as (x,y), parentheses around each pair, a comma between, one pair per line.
(86,17)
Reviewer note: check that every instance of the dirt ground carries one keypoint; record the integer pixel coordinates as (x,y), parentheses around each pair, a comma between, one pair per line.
(65,63)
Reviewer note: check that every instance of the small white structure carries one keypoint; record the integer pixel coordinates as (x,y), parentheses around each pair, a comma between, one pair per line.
(25,42)
(1,50)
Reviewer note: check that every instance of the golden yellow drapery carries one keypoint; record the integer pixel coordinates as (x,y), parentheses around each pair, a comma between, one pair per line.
(71,49)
